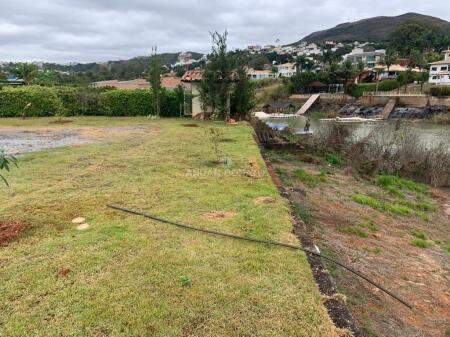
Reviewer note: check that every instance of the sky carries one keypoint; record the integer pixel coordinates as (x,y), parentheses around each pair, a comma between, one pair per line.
(101,30)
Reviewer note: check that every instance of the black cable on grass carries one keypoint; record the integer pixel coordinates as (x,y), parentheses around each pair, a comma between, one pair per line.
(272,243)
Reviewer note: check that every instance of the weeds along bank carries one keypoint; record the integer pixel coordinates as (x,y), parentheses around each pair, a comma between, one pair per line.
(395,149)
(36,101)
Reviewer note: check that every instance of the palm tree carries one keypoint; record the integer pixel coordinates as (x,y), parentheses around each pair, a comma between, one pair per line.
(300,63)
(347,71)
(390,58)
(360,66)
(26,71)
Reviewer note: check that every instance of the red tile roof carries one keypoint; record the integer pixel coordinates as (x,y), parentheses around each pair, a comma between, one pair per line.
(192,75)
(170,82)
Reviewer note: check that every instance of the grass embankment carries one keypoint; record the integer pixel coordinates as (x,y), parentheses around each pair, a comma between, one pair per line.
(393,229)
(128,276)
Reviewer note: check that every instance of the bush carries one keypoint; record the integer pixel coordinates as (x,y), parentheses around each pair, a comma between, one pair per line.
(357,90)
(29,101)
(440,91)
(38,101)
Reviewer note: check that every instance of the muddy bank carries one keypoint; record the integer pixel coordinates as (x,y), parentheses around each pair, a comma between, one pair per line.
(350,110)
(16,141)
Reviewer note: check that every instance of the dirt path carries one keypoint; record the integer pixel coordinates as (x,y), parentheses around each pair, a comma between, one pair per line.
(378,244)
(18,141)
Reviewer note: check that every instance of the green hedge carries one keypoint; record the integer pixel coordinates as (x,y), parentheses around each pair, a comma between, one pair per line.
(49,101)
(33,101)
(440,91)
(357,90)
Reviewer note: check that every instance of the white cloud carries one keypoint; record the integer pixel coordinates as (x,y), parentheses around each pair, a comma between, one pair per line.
(99,30)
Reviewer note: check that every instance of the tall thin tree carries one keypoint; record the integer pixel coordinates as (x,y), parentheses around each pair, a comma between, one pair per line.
(154,74)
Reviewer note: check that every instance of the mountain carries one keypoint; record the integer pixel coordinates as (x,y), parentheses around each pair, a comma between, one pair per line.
(376,29)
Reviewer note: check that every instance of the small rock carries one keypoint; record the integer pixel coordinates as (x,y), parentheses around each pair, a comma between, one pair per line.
(79,220)
(83,227)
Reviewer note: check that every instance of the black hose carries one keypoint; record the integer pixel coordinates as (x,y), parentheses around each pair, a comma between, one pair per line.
(273,243)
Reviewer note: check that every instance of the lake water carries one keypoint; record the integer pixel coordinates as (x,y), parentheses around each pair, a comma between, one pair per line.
(429,133)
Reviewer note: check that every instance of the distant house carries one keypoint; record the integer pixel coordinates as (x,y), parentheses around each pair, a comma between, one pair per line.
(191,83)
(260,74)
(286,70)
(371,59)
(440,71)
(394,70)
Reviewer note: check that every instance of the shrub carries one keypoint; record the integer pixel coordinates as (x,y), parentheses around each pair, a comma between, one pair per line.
(440,91)
(37,101)
(357,90)
(29,102)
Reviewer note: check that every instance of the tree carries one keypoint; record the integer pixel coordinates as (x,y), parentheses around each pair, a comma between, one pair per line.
(215,87)
(360,67)
(26,71)
(422,78)
(300,81)
(46,78)
(5,164)
(242,97)
(300,63)
(347,72)
(418,35)
(154,77)
(390,58)
(416,59)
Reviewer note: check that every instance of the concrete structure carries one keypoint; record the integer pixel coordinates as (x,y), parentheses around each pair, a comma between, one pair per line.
(286,70)
(414,101)
(191,83)
(260,74)
(440,71)
(371,59)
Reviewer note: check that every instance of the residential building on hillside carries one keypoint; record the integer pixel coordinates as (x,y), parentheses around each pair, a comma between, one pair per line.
(394,70)
(371,59)
(286,70)
(440,70)
(260,74)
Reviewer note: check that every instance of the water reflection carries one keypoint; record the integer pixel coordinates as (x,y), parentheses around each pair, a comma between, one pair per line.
(429,133)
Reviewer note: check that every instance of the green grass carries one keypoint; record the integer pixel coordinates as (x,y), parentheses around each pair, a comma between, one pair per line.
(421,243)
(303,213)
(354,230)
(309,179)
(419,235)
(334,159)
(395,184)
(125,271)
(384,206)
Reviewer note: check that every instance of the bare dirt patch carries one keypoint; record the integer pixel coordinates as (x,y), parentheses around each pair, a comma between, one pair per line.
(190,125)
(18,141)
(219,215)
(9,230)
(264,200)
(379,244)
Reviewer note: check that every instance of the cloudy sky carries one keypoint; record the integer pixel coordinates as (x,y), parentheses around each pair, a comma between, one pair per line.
(100,30)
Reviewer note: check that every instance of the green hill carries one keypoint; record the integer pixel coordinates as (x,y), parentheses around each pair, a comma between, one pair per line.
(376,29)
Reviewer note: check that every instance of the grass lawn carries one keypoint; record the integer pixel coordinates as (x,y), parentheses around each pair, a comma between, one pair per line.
(130,276)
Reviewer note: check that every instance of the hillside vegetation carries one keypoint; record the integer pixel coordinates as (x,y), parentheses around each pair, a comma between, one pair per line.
(377,28)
